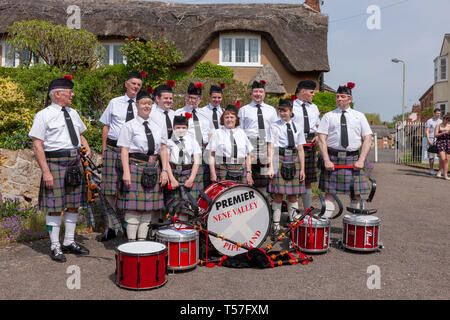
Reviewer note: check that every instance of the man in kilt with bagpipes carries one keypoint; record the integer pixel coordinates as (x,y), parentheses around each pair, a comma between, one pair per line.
(57,139)
(340,134)
(119,111)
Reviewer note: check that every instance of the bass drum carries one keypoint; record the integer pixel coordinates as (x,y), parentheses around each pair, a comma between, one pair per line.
(236,211)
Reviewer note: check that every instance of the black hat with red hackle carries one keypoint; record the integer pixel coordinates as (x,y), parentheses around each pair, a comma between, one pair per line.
(286,102)
(232,108)
(217,88)
(167,87)
(259,84)
(62,83)
(306,84)
(180,120)
(136,75)
(144,94)
(195,89)
(347,89)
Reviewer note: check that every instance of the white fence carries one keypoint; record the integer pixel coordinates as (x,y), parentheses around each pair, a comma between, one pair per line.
(410,143)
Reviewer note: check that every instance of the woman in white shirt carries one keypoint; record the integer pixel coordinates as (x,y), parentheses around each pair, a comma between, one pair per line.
(142,148)
(230,150)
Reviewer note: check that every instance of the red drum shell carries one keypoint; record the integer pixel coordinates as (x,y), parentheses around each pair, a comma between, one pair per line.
(361,232)
(182,247)
(320,240)
(141,265)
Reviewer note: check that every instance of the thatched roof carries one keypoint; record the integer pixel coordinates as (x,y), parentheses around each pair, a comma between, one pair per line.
(296,33)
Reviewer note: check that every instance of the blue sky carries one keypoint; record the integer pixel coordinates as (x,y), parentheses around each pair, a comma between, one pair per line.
(412,30)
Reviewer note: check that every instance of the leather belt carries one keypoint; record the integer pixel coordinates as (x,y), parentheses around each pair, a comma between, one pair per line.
(62,153)
(287,151)
(342,153)
(111,142)
(180,167)
(139,156)
(229,160)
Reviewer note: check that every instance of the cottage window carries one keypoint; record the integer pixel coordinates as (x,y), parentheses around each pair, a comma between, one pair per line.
(113,55)
(240,50)
(440,68)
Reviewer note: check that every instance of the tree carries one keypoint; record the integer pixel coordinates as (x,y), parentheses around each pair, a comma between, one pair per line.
(57,45)
(157,58)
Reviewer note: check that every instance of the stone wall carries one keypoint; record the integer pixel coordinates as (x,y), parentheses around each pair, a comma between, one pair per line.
(20,175)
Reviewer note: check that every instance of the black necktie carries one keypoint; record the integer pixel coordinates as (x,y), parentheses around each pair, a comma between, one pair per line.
(198,132)
(69,123)
(150,140)
(215,119)
(305,118)
(130,114)
(168,125)
(344,133)
(233,145)
(262,130)
(181,153)
(291,142)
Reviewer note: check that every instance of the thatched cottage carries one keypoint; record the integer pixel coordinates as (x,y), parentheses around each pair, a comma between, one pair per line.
(281,43)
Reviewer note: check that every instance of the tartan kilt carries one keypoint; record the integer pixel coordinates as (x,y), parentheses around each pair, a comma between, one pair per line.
(60,197)
(338,180)
(221,171)
(277,185)
(181,177)
(110,174)
(310,165)
(136,198)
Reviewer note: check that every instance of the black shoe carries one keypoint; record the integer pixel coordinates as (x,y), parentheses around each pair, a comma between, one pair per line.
(275,233)
(111,234)
(58,255)
(75,248)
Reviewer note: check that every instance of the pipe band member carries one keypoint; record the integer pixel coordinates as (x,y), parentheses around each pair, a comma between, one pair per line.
(119,110)
(198,128)
(213,111)
(287,156)
(142,148)
(307,119)
(57,138)
(340,134)
(230,150)
(184,159)
(256,119)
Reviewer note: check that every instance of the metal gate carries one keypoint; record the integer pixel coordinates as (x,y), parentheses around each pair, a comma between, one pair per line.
(410,143)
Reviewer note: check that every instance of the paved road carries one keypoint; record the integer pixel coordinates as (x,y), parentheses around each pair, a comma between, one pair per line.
(413,265)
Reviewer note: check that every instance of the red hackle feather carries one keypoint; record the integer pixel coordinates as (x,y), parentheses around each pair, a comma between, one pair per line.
(68,77)
(350,85)
(263,81)
(188,115)
(150,89)
(143,74)
(293,97)
(198,85)
(170,83)
(222,85)
(237,104)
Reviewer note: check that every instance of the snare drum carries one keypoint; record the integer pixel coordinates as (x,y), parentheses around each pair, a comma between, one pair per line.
(237,211)
(182,247)
(313,235)
(141,265)
(361,232)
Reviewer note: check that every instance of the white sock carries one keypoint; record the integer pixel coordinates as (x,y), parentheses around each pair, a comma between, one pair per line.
(53,225)
(307,199)
(70,223)
(291,206)
(356,204)
(144,226)
(276,213)
(132,221)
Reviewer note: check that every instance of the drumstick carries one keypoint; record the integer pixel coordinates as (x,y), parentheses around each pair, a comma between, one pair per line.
(344,166)
(309,144)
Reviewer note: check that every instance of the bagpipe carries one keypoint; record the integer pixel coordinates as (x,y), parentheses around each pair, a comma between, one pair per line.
(92,174)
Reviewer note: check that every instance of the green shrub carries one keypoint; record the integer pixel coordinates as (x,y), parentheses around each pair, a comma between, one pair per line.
(208,70)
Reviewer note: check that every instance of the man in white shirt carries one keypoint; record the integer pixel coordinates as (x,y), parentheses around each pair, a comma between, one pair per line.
(430,125)
(307,119)
(256,119)
(162,113)
(213,111)
(57,137)
(340,133)
(119,110)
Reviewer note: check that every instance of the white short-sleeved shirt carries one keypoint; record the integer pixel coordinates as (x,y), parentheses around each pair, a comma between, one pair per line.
(221,143)
(279,137)
(357,126)
(313,116)
(191,148)
(432,124)
(158,116)
(208,112)
(132,135)
(50,126)
(204,123)
(248,115)
(115,115)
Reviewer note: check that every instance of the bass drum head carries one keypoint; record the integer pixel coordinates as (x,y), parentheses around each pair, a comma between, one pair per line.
(241,214)
(141,248)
